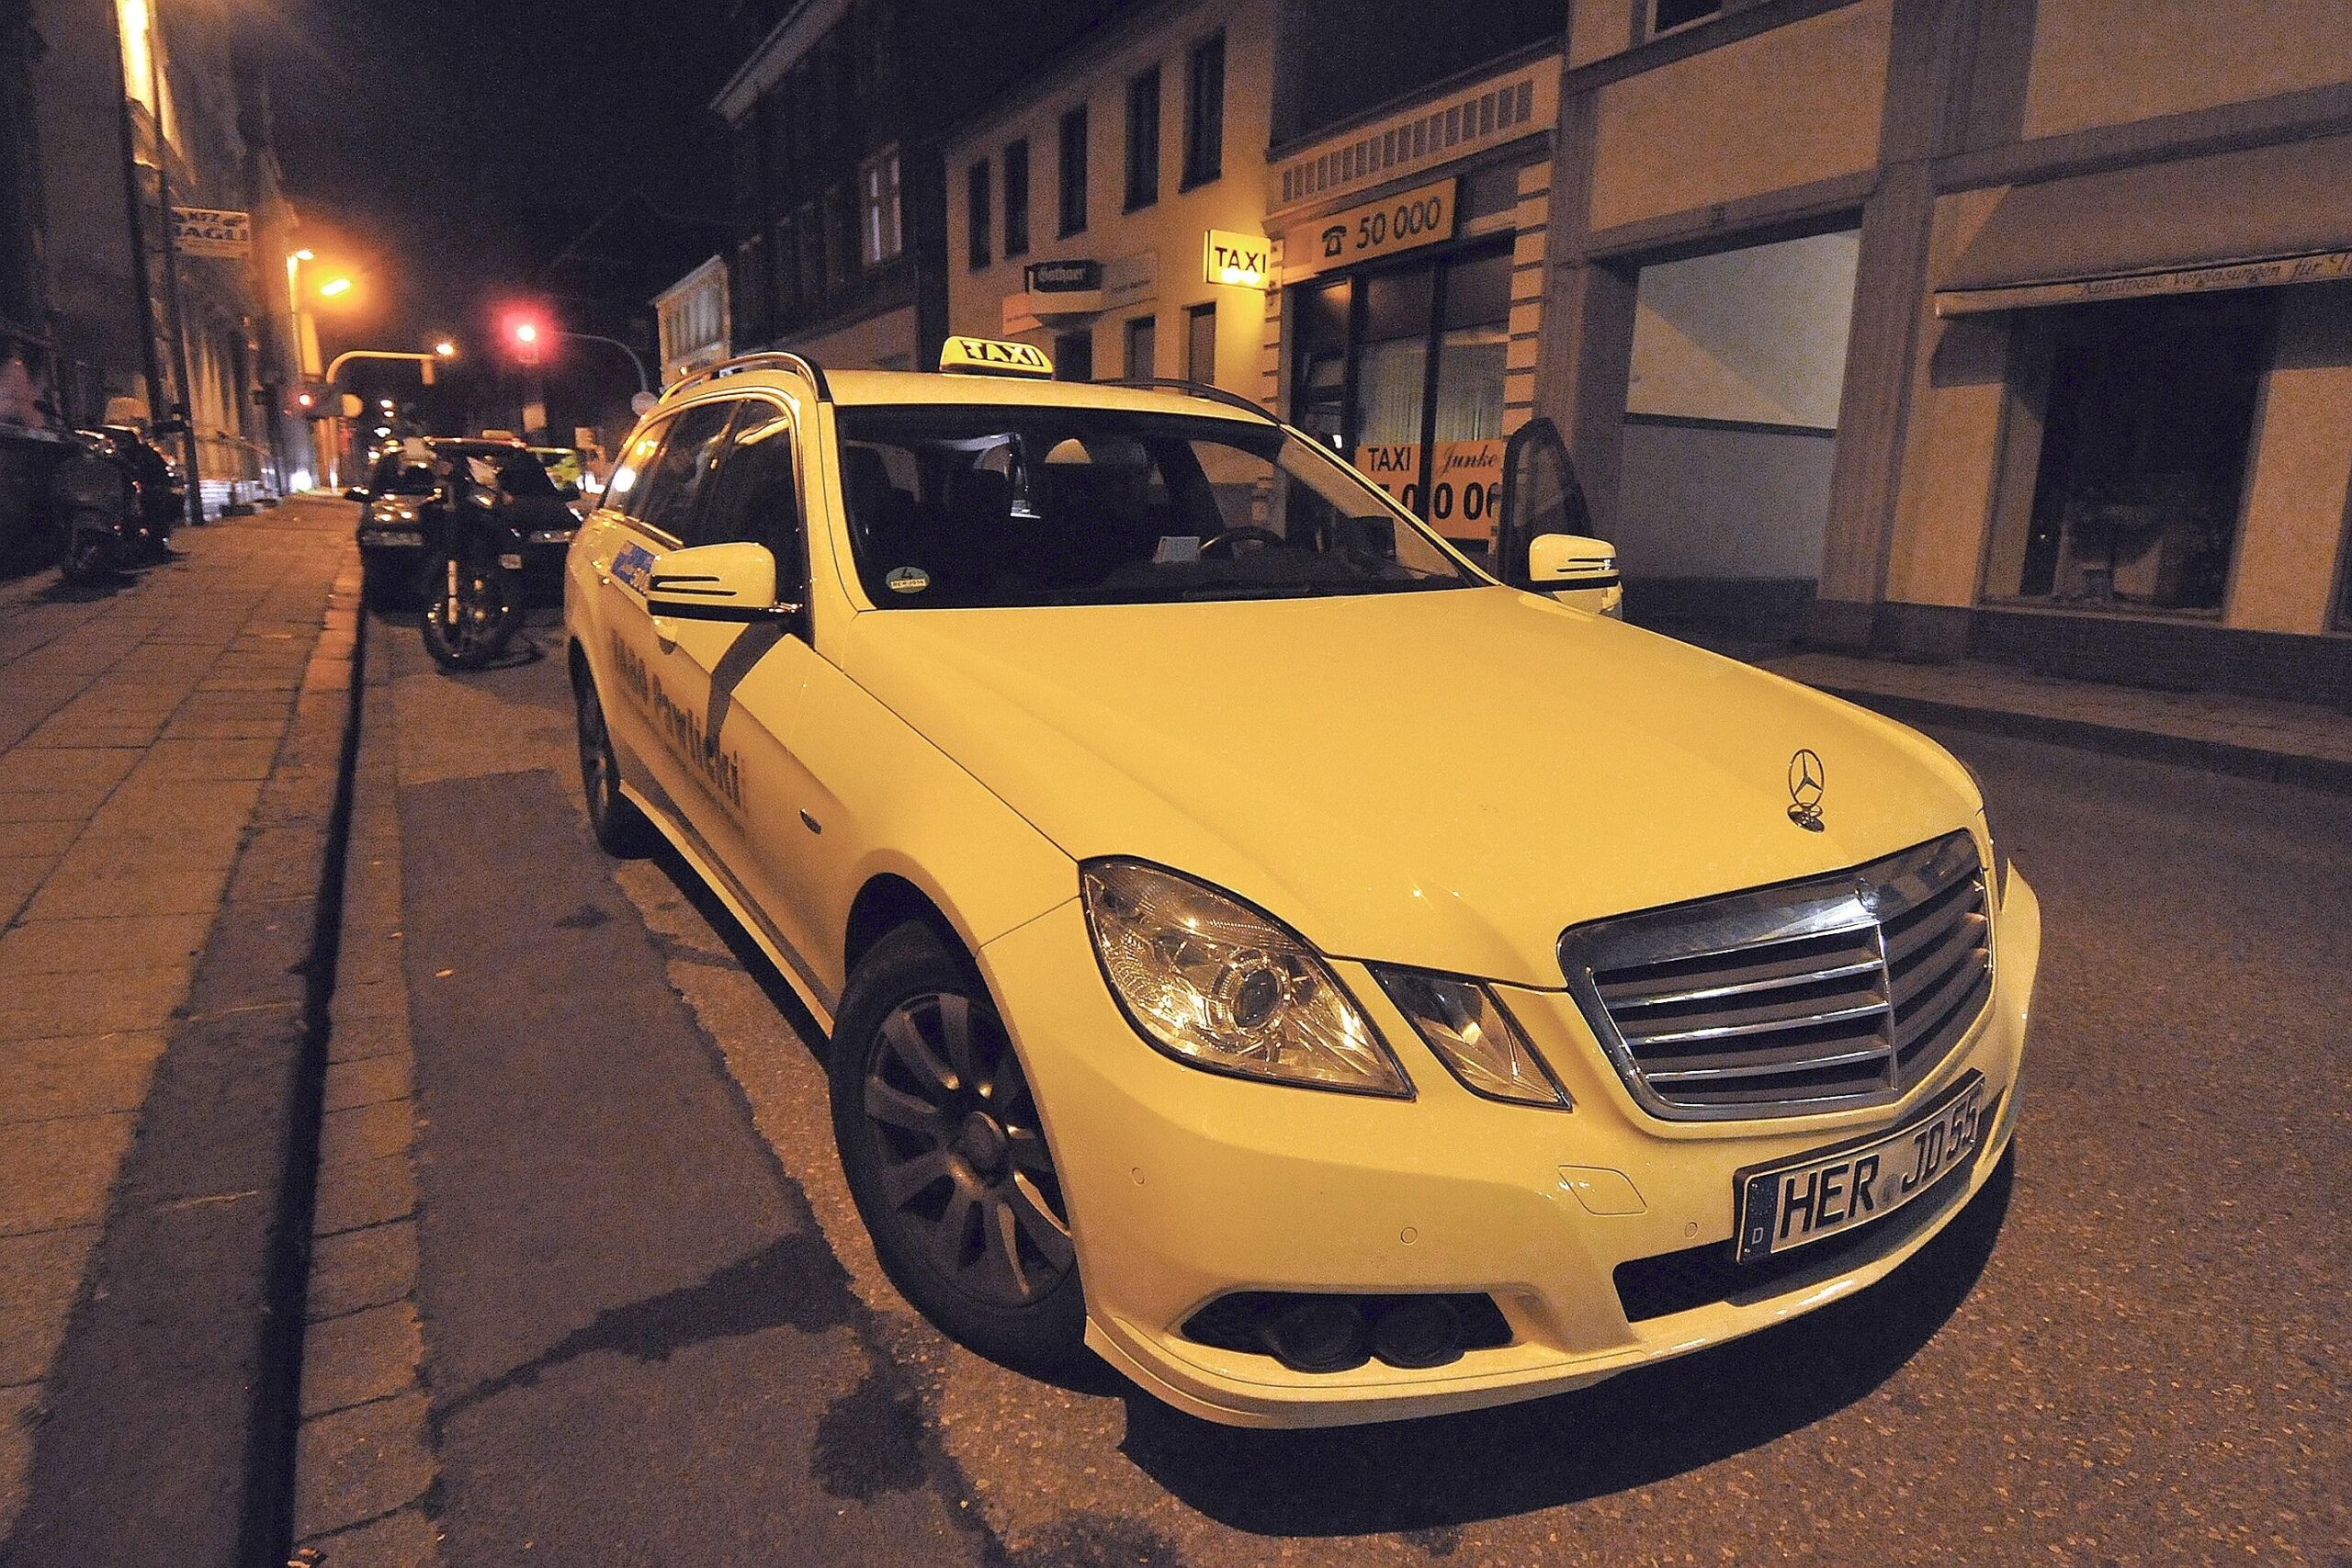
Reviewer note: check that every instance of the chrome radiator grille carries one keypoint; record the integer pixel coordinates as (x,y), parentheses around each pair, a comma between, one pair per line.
(1837,991)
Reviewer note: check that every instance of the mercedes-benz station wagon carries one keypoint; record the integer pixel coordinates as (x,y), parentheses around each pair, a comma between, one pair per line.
(1332,977)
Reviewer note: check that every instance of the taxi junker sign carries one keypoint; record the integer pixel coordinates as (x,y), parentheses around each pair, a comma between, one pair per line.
(211,231)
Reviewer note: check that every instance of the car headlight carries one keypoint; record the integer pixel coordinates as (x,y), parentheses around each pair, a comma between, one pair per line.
(1217,985)
(2000,872)
(1466,1026)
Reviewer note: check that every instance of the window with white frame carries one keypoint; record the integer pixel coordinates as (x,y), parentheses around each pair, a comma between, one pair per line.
(879,234)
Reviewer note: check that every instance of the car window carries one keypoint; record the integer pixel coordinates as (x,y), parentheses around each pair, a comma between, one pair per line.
(955,507)
(395,475)
(754,498)
(620,491)
(665,496)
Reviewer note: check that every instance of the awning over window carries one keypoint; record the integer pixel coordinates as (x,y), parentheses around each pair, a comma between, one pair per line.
(2250,219)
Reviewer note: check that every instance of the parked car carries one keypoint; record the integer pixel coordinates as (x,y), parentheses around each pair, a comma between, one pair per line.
(1331,982)
(404,518)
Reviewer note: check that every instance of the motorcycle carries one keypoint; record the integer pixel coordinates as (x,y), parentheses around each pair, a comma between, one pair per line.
(113,500)
(473,598)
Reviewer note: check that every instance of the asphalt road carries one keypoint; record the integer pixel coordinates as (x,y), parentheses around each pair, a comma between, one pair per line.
(656,1334)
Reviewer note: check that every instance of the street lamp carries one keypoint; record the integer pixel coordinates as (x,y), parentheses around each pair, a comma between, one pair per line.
(334,286)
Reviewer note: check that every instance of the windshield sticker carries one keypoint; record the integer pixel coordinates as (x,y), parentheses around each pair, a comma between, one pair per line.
(908,579)
(1177,548)
(634,566)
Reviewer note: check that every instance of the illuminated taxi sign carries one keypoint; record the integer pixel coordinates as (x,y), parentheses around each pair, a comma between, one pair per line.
(989,356)
(1244,261)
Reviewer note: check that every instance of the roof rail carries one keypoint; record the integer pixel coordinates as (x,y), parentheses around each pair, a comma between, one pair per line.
(1197,388)
(774,358)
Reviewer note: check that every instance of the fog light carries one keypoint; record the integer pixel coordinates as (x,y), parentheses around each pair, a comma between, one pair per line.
(1422,1332)
(1321,1334)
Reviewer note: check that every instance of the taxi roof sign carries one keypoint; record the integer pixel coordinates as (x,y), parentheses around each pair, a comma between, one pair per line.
(989,356)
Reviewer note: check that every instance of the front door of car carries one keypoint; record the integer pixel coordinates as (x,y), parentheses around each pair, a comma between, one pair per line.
(654,514)
(739,683)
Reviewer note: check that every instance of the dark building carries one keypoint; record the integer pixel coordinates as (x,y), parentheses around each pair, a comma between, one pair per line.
(839,243)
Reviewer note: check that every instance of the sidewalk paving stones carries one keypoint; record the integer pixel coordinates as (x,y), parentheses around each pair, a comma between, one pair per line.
(136,731)
(2293,742)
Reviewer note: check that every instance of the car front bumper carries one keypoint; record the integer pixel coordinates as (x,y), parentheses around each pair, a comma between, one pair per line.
(1185,1186)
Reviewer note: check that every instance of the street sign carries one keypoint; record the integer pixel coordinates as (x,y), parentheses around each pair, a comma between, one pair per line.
(1420,217)
(211,231)
(1245,261)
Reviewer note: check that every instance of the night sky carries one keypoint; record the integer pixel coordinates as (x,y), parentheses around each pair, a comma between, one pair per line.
(449,152)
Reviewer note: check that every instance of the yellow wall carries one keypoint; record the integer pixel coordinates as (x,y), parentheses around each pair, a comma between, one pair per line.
(2295,512)
(1951,442)
(1173,226)
(2105,62)
(1599,30)
(1786,107)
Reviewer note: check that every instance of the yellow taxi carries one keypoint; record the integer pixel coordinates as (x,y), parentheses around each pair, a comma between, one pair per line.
(1331,982)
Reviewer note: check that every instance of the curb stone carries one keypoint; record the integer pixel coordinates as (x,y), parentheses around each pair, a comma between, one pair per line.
(365,1468)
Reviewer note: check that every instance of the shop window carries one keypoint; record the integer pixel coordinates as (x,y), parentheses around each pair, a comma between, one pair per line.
(1200,345)
(1073,171)
(1143,348)
(1205,112)
(878,232)
(1473,330)
(2146,424)
(1402,369)
(1074,356)
(1143,138)
(1016,197)
(975,214)
(1318,317)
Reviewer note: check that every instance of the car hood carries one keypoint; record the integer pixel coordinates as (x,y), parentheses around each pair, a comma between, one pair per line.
(1446,779)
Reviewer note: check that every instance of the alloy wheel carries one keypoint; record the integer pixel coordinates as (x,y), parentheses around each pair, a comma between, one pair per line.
(964,1167)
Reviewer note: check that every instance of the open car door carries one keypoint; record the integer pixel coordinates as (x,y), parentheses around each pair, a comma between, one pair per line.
(1543,542)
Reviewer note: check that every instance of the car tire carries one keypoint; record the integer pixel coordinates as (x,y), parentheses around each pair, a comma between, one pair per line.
(946,1157)
(620,828)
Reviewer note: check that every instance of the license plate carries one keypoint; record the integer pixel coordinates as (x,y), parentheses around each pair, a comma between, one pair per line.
(1826,1193)
(512,561)
(390,537)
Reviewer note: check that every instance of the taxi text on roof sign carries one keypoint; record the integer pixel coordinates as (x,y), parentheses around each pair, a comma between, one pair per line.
(987,356)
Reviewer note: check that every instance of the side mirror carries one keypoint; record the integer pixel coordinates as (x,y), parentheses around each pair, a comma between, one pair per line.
(1570,560)
(714,582)
(357,492)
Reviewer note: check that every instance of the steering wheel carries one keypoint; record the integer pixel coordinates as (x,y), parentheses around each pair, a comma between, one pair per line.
(1247,531)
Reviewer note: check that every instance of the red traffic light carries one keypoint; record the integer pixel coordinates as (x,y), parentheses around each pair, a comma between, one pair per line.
(524,334)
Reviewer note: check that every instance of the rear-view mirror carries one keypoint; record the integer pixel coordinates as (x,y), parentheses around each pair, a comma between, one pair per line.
(1570,560)
(714,582)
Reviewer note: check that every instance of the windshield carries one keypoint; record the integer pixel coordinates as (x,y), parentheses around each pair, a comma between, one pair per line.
(1000,506)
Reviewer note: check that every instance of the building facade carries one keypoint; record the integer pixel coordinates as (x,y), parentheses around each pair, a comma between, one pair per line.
(841,239)
(2031,340)
(1113,212)
(212,324)
(691,322)
(1412,241)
